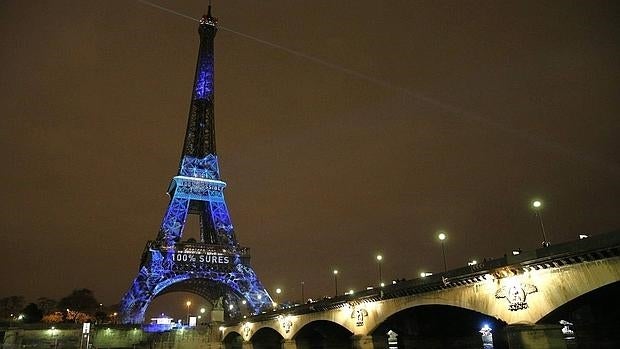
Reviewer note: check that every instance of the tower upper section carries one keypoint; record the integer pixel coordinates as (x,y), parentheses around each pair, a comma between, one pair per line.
(200,134)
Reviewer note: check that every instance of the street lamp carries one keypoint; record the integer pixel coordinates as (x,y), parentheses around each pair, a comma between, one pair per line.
(336,280)
(442,237)
(188,303)
(54,334)
(537,206)
(278,291)
(302,293)
(379,259)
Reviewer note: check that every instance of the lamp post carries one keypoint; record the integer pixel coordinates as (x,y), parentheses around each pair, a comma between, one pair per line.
(537,206)
(202,313)
(379,259)
(302,293)
(54,336)
(278,291)
(336,281)
(442,237)
(188,303)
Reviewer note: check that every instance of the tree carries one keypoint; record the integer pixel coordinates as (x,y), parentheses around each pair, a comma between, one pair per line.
(10,306)
(46,305)
(32,313)
(101,316)
(78,317)
(81,300)
(53,318)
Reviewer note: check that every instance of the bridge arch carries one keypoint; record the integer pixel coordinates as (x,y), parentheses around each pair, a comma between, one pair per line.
(266,337)
(585,279)
(390,309)
(426,325)
(252,329)
(323,333)
(552,288)
(601,305)
(233,340)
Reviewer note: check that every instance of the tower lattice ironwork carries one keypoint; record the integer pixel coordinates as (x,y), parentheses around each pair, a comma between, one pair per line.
(216,267)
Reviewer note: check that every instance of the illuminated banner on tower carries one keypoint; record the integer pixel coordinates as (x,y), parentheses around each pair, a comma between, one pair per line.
(182,256)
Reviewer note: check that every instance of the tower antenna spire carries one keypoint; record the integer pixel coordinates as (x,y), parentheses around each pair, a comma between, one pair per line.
(210,18)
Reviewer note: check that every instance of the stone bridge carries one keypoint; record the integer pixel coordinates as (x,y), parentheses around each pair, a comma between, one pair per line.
(516,291)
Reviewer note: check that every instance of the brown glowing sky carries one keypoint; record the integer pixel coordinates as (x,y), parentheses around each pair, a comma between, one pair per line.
(471,109)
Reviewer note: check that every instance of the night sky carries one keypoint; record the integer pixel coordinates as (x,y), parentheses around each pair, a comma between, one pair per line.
(394,120)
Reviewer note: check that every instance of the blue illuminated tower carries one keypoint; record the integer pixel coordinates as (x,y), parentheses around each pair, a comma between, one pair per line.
(216,267)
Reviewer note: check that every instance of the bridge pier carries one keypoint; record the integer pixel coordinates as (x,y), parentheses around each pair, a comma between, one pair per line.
(247,345)
(535,336)
(289,344)
(362,342)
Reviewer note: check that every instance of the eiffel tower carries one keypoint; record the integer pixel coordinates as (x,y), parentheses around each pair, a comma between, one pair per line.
(216,268)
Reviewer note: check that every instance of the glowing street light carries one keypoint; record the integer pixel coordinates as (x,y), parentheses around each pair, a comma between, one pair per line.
(54,334)
(336,280)
(278,291)
(379,259)
(537,205)
(188,303)
(442,237)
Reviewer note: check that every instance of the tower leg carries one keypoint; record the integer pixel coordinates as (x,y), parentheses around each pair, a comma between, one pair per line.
(160,271)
